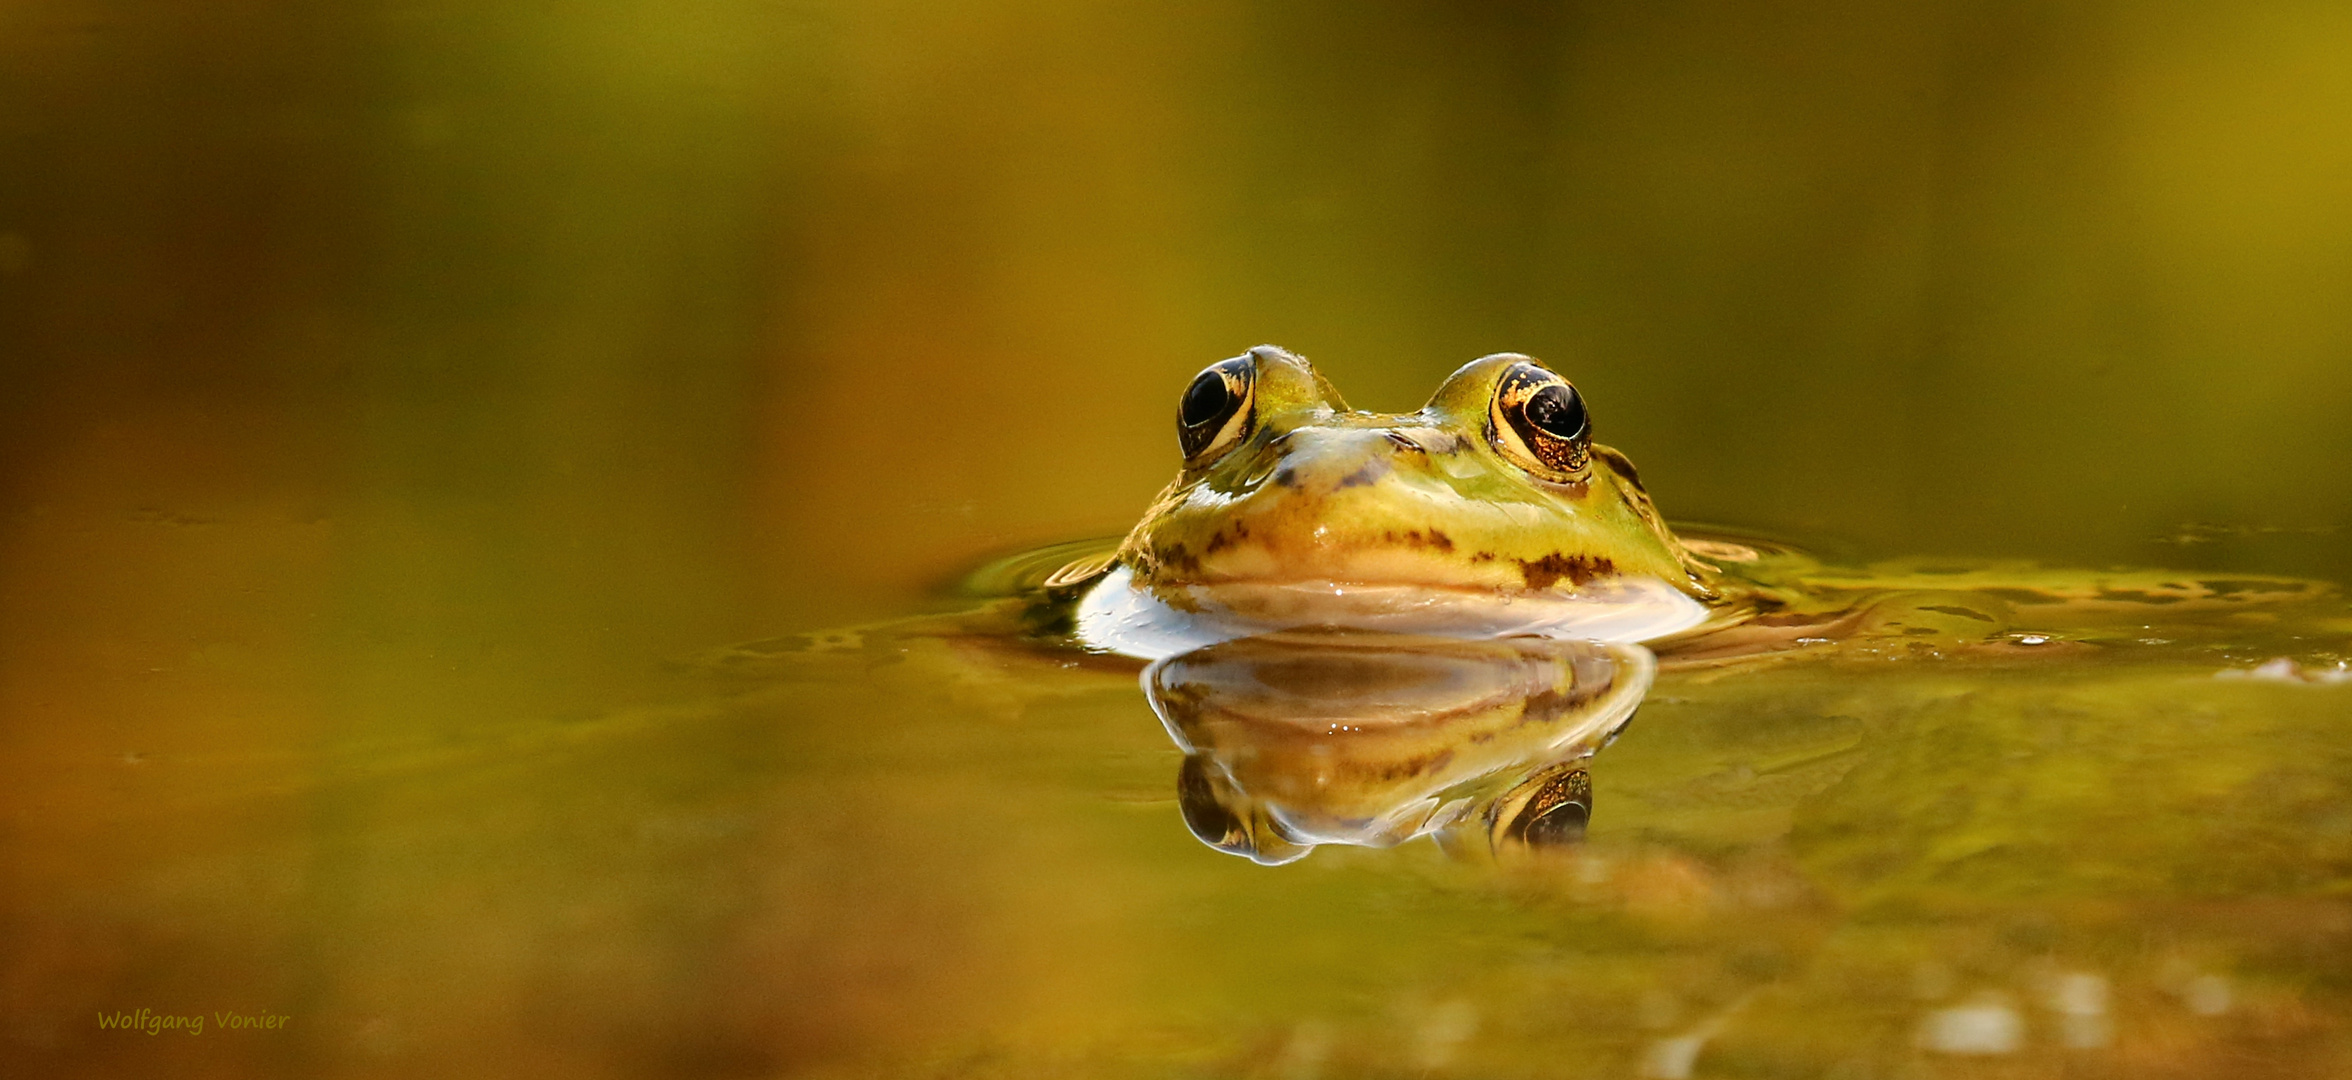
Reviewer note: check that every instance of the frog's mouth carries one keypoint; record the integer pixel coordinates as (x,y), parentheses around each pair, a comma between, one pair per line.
(1119,616)
(1406,558)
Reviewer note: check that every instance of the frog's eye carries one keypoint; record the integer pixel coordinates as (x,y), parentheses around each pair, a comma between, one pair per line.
(1548,811)
(1217,410)
(1538,421)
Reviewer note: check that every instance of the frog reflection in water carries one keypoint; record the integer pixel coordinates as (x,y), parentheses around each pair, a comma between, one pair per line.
(1519,551)
(1299,739)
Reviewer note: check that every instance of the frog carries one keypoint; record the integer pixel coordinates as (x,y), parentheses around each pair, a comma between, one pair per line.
(1488,512)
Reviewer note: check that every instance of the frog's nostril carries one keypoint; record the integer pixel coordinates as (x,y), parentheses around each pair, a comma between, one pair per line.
(1404,442)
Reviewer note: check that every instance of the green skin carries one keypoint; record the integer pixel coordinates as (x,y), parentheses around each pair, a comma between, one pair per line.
(1318,493)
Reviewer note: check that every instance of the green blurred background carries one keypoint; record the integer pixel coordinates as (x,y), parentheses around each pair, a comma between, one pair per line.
(376,369)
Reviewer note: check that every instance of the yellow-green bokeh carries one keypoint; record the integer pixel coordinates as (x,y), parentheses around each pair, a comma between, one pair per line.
(387,376)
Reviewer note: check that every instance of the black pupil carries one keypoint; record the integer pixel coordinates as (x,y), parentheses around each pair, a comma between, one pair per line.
(1215,824)
(1555,410)
(1559,825)
(1206,399)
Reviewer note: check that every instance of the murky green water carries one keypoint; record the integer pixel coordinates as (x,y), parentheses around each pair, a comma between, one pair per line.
(405,402)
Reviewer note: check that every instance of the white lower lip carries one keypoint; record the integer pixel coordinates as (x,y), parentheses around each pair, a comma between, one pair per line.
(1118,617)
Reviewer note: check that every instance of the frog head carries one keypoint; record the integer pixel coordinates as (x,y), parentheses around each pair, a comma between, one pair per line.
(1494,488)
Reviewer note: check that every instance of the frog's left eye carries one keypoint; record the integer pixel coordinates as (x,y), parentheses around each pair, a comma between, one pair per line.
(1539,422)
(1218,409)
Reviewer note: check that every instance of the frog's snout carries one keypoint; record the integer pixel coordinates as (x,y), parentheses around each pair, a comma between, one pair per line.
(1330,462)
(1361,503)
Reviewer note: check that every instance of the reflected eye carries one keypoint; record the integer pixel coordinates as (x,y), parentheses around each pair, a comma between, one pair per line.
(1217,409)
(1549,811)
(1539,422)
(1223,819)
(1205,814)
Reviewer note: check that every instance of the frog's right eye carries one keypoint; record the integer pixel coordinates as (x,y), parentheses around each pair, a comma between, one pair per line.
(1539,422)
(1218,409)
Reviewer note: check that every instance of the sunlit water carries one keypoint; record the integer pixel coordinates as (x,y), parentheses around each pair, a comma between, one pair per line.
(961,845)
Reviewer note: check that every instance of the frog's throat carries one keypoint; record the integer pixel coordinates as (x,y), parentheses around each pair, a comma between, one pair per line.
(1119,616)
